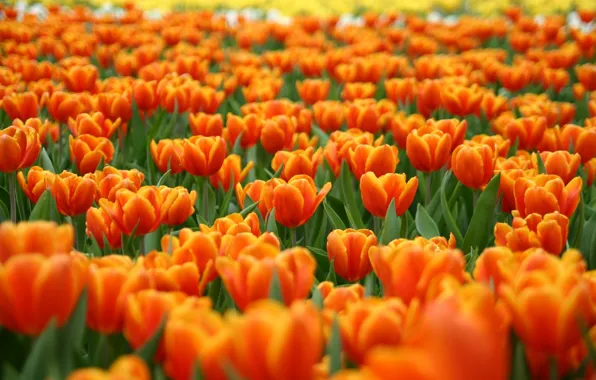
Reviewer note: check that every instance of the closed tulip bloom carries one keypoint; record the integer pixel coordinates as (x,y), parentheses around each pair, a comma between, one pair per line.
(499,145)
(378,192)
(45,130)
(348,249)
(507,186)
(38,181)
(248,128)
(21,105)
(63,106)
(528,131)
(129,367)
(246,243)
(401,127)
(296,201)
(144,94)
(204,156)
(19,148)
(140,212)
(104,304)
(364,116)
(377,159)
(329,115)
(81,78)
(102,228)
(205,99)
(493,105)
(178,204)
(234,224)
(462,101)
(259,191)
(167,155)
(313,90)
(337,298)
(110,180)
(401,90)
(275,342)
(586,74)
(561,163)
(278,133)
(94,124)
(197,248)
(205,124)
(231,173)
(29,238)
(428,101)
(74,195)
(453,127)
(548,232)
(428,148)
(473,164)
(583,140)
(545,194)
(87,152)
(590,169)
(357,90)
(297,162)
(35,289)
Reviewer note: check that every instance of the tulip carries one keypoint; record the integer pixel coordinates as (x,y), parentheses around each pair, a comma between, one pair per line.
(583,140)
(178,205)
(37,289)
(277,133)
(45,130)
(348,250)
(590,169)
(453,127)
(259,191)
(401,90)
(356,90)
(586,74)
(462,101)
(81,78)
(104,304)
(401,127)
(297,162)
(297,200)
(557,79)
(110,180)
(234,224)
(102,228)
(205,99)
(205,125)
(380,160)
(231,173)
(74,195)
(428,101)
(129,367)
(167,155)
(312,91)
(197,248)
(428,148)
(473,165)
(528,131)
(87,152)
(507,186)
(246,243)
(21,105)
(247,278)
(140,212)
(548,232)
(249,128)
(37,182)
(204,156)
(63,106)
(514,78)
(173,99)
(29,238)
(329,115)
(493,106)
(337,298)
(561,163)
(378,192)
(545,194)
(19,147)
(365,116)
(144,94)
(93,124)
(115,106)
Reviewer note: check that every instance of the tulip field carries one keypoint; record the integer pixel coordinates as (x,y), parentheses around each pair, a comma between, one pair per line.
(211,195)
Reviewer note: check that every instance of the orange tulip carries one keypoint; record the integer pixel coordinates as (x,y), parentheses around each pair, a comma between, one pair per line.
(548,232)
(105,306)
(428,101)
(514,78)
(265,245)
(249,127)
(357,90)
(178,205)
(129,367)
(74,195)
(247,278)
(100,225)
(337,298)
(205,125)
(497,143)
(545,194)
(492,105)
(428,148)
(110,180)
(297,200)
(453,127)
(144,94)
(205,99)
(561,163)
(45,130)
(197,248)
(401,90)
(81,78)
(590,169)
(313,90)
(473,164)
(586,74)
(204,156)
(87,151)
(378,192)
(297,162)
(38,181)
(93,124)
(349,252)
(329,115)
(114,106)
(19,147)
(167,154)
(139,212)
(35,289)
(557,79)
(507,186)
(259,191)
(278,133)
(367,158)
(462,101)
(29,238)
(366,116)
(234,224)
(583,140)
(21,105)
(289,340)
(231,173)
(528,131)
(63,106)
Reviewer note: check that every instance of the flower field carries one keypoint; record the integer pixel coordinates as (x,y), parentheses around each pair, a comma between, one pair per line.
(208,195)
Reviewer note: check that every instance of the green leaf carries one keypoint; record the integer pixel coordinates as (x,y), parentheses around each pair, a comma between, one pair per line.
(322,260)
(482,220)
(317,298)
(588,238)
(425,225)
(164,177)
(471,260)
(277,172)
(576,224)
(148,350)
(347,189)
(248,209)
(197,374)
(9,372)
(449,220)
(225,203)
(331,274)
(541,167)
(514,147)
(323,137)
(70,336)
(271,223)
(334,348)
(391,225)
(137,136)
(519,366)
(275,288)
(152,241)
(4,212)
(370,285)
(335,220)
(45,208)
(46,162)
(40,359)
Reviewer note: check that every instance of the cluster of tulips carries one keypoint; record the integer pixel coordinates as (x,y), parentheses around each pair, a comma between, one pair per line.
(193,198)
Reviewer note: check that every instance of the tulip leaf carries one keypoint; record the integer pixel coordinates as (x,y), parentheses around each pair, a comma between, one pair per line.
(587,241)
(514,148)
(322,230)
(519,366)
(576,224)
(9,372)
(197,373)
(250,208)
(4,213)
(70,336)
(237,148)
(275,288)
(152,240)
(334,348)
(317,298)
(41,356)
(137,135)
(541,167)
(347,189)
(391,225)
(482,220)
(231,372)
(335,220)
(322,261)
(471,260)
(331,274)
(425,225)
(449,220)
(45,208)
(46,162)
(370,285)
(322,135)
(271,223)
(147,351)
(225,203)
(277,173)
(164,177)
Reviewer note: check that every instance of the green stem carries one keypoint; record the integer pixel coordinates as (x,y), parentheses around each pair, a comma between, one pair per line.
(214,290)
(377,225)
(475,193)
(142,245)
(293,236)
(58,163)
(170,243)
(205,195)
(12,179)
(427,186)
